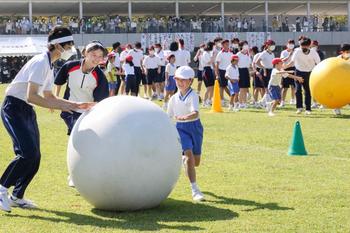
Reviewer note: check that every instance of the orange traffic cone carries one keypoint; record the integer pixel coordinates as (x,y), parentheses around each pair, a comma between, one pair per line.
(216,107)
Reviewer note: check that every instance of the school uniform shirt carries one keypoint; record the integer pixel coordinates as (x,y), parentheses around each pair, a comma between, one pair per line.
(151,62)
(82,87)
(129,70)
(255,59)
(200,65)
(161,57)
(183,105)
(111,69)
(266,59)
(285,54)
(38,70)
(232,72)
(183,57)
(123,55)
(117,60)
(224,59)
(276,78)
(305,62)
(137,56)
(244,60)
(206,59)
(170,69)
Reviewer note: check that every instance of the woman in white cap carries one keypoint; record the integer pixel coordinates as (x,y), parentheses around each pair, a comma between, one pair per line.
(184,108)
(19,117)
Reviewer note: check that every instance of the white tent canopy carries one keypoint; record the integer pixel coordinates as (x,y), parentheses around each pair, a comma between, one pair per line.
(22,46)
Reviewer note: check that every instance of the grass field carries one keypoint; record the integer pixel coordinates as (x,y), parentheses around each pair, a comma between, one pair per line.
(250,183)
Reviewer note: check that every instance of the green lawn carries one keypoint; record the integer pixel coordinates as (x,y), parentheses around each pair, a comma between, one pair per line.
(250,182)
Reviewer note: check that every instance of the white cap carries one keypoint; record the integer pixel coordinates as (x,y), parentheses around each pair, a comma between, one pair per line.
(184,72)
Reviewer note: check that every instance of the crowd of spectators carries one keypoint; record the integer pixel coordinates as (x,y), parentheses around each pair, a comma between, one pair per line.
(10,66)
(169,24)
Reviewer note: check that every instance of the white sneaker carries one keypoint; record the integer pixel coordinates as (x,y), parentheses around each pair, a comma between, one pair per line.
(197,195)
(281,104)
(70,182)
(22,203)
(271,114)
(299,111)
(230,107)
(292,101)
(165,106)
(307,112)
(145,96)
(337,112)
(314,105)
(268,106)
(4,202)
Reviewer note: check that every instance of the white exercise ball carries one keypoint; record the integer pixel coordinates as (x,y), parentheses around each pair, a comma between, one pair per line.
(124,154)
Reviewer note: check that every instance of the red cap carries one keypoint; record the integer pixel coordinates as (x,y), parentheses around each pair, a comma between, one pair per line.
(276,61)
(234,57)
(315,42)
(128,58)
(269,42)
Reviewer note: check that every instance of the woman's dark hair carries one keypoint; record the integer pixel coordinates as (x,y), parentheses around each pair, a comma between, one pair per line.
(291,42)
(174,46)
(116,45)
(56,33)
(306,42)
(209,46)
(345,47)
(255,50)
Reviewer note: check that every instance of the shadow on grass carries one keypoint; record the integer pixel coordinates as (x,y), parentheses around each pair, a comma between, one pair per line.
(181,213)
(255,205)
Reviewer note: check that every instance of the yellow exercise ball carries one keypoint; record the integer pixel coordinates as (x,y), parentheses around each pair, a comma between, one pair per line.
(330,82)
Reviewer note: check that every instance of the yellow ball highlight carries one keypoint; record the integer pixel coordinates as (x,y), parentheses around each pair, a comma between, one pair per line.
(330,82)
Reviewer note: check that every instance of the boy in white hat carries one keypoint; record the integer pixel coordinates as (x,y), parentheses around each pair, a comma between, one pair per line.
(184,108)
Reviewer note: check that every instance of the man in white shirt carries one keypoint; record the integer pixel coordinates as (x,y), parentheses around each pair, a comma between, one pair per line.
(304,61)
(222,61)
(183,56)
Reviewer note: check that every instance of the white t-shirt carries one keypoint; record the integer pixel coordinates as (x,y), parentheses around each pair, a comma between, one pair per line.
(285,54)
(266,59)
(117,60)
(183,105)
(183,57)
(206,59)
(170,69)
(224,59)
(303,62)
(123,55)
(161,57)
(244,60)
(276,78)
(37,70)
(128,70)
(232,72)
(151,62)
(137,56)
(255,59)
(200,65)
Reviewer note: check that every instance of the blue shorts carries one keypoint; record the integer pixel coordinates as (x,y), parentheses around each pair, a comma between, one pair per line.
(191,136)
(112,85)
(233,87)
(275,92)
(170,84)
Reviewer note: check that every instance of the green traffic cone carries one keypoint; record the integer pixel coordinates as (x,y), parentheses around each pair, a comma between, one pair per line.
(297,146)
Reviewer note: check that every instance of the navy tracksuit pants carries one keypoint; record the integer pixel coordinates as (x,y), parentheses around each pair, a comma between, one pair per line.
(20,122)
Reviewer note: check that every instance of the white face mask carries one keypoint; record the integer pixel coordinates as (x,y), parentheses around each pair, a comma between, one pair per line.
(245,47)
(346,55)
(151,52)
(219,45)
(235,46)
(156,50)
(202,49)
(272,48)
(66,54)
(290,46)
